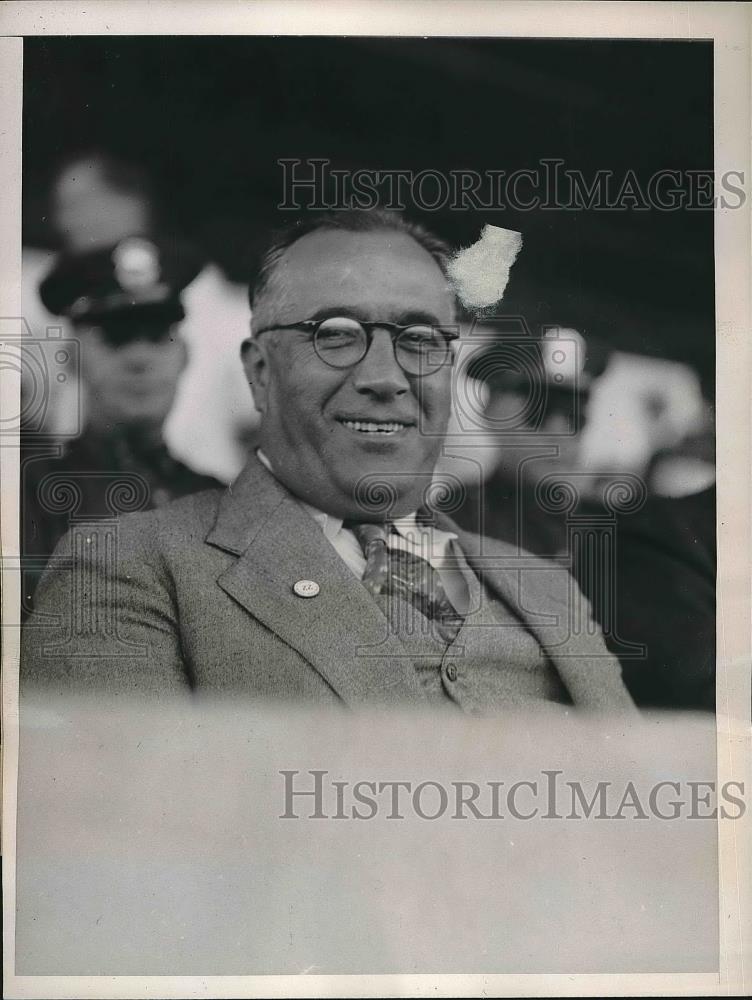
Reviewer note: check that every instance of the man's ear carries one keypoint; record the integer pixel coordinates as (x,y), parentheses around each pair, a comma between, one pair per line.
(255,359)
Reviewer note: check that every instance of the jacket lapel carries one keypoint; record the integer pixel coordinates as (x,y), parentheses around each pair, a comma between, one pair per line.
(341,631)
(593,680)
(500,567)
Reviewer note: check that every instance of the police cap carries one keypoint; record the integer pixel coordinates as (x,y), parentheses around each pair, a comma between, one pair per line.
(136,274)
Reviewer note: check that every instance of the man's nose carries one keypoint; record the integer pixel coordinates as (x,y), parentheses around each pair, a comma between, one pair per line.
(378,373)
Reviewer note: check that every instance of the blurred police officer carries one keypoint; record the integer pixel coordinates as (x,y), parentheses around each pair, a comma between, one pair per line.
(537,396)
(608,413)
(124,303)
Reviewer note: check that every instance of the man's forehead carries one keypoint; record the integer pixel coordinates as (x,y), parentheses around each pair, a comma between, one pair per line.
(368,272)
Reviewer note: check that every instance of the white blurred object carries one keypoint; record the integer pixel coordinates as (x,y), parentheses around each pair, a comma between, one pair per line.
(480,272)
(62,415)
(640,405)
(214,407)
(681,475)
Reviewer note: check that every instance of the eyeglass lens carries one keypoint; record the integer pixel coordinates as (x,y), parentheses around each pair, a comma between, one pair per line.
(419,349)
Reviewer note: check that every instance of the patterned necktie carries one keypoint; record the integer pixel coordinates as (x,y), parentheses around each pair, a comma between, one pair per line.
(397,573)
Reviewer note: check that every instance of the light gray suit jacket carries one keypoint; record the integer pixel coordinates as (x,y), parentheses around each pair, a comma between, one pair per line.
(198,596)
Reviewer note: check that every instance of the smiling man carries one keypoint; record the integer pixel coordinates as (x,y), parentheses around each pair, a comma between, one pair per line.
(351,363)
(324,573)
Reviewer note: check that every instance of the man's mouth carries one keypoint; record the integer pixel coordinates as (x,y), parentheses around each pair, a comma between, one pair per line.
(382,427)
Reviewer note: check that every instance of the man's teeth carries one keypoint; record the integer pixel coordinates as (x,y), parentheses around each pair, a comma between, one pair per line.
(370,427)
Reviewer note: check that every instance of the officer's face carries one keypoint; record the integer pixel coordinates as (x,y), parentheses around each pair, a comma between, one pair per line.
(133,379)
(324,429)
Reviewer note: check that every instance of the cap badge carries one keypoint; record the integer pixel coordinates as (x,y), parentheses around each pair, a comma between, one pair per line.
(136,263)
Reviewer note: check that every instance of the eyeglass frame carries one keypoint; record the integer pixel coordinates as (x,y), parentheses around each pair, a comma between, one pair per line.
(368,326)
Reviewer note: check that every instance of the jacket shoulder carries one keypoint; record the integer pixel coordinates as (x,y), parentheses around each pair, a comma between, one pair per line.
(187,517)
(508,554)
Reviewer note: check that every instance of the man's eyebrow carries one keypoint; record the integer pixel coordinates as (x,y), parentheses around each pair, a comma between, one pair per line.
(420,316)
(328,312)
(401,319)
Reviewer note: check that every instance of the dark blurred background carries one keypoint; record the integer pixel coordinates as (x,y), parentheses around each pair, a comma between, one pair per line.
(208,118)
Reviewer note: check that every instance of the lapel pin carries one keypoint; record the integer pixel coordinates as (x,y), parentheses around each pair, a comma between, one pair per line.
(306,588)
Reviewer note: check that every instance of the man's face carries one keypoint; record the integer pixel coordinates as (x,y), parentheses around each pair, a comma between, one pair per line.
(131,376)
(88,211)
(318,422)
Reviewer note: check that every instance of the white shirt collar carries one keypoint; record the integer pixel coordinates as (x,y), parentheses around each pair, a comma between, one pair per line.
(407,527)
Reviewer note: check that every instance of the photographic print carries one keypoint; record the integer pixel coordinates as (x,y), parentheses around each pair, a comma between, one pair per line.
(375,504)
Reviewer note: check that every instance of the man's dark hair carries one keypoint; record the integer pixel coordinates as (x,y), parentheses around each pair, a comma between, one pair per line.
(351,221)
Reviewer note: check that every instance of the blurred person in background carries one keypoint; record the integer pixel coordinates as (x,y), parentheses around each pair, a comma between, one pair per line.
(94,201)
(596,415)
(526,400)
(124,305)
(97,200)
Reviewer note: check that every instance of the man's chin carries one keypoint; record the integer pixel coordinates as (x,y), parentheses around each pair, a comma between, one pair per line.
(383,489)
(143,411)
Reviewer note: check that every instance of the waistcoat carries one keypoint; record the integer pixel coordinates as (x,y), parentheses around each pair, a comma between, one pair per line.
(493,662)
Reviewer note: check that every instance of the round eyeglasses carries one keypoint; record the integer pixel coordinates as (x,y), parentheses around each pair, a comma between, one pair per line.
(341,342)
